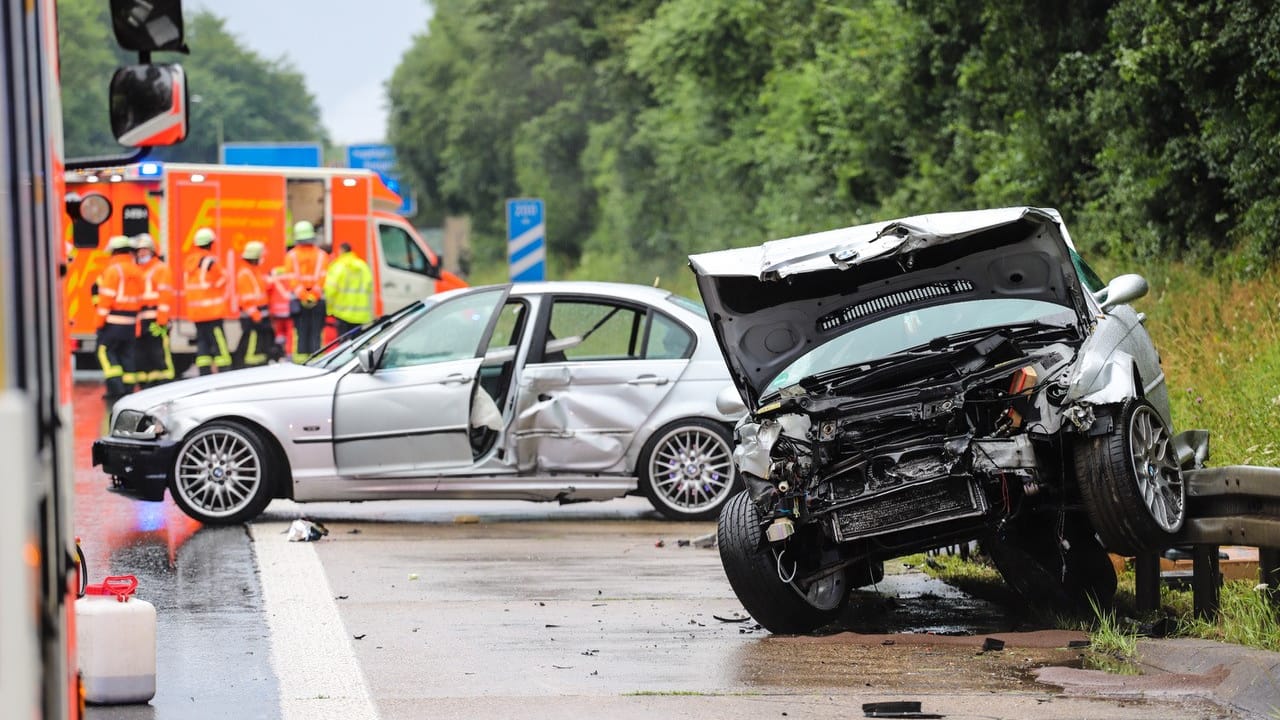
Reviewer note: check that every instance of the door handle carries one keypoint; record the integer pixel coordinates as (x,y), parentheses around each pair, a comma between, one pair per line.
(1142,318)
(389,283)
(454,379)
(648,380)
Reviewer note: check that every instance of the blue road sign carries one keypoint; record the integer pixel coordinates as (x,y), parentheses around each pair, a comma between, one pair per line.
(381,158)
(272,154)
(526,240)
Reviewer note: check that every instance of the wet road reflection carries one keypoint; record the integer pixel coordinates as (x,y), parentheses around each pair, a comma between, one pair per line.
(213,654)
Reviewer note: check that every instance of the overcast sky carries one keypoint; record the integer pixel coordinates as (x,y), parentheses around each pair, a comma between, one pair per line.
(346,50)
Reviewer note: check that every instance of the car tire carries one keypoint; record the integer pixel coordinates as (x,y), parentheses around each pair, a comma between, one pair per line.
(222,473)
(686,469)
(752,570)
(1131,484)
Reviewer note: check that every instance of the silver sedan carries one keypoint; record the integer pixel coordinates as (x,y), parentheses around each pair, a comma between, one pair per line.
(562,391)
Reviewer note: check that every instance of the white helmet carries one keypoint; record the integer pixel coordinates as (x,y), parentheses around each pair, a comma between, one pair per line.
(204,237)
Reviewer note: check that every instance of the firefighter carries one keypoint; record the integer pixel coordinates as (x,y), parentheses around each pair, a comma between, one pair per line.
(278,285)
(154,360)
(348,290)
(205,284)
(257,339)
(118,295)
(306,266)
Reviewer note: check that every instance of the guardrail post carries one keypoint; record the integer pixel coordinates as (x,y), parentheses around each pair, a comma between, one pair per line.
(1269,569)
(1146,581)
(1205,580)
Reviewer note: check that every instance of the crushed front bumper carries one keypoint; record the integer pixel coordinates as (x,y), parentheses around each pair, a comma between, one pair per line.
(138,468)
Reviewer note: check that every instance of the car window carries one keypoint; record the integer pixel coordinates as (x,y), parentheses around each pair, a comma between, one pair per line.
(506,331)
(1087,276)
(668,339)
(401,252)
(451,330)
(589,330)
(692,306)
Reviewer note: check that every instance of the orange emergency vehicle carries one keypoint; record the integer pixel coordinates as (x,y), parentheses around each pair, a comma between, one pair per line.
(242,203)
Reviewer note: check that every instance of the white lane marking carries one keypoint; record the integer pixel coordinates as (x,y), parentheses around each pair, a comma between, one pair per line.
(311,649)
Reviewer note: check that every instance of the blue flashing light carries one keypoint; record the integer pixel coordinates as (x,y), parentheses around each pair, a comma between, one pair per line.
(150,169)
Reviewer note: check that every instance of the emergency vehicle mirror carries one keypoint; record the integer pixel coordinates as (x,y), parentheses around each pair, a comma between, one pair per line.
(148,25)
(149,105)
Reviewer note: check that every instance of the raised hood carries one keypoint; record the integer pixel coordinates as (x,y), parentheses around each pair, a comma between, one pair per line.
(773,303)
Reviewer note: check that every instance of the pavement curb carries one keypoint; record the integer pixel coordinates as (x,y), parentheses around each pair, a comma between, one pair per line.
(1252,677)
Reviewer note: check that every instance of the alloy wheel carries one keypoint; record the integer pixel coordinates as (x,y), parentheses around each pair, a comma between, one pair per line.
(1156,469)
(691,469)
(219,471)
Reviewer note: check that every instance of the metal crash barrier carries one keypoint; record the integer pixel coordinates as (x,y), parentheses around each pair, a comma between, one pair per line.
(1232,505)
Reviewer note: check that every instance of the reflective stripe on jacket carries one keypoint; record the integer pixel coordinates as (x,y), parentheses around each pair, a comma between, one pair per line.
(251,291)
(120,291)
(157,291)
(306,266)
(348,289)
(205,286)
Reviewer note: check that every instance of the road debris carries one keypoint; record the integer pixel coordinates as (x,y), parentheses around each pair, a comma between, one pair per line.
(306,531)
(992,644)
(732,619)
(896,709)
(660,543)
(361,636)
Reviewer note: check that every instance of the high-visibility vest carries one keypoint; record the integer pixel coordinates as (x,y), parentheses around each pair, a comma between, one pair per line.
(157,291)
(306,266)
(348,289)
(278,291)
(205,285)
(120,291)
(251,291)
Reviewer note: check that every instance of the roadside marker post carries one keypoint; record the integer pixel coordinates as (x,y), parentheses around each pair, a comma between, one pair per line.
(526,240)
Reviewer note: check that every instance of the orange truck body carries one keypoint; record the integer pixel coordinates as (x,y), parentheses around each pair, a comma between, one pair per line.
(243,203)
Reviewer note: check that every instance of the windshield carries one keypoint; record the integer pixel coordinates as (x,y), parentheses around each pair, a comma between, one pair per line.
(340,351)
(915,328)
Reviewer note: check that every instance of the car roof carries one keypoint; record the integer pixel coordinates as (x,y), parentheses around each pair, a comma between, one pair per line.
(622,291)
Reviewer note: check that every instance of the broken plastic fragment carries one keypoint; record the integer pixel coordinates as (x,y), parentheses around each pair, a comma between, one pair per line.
(306,531)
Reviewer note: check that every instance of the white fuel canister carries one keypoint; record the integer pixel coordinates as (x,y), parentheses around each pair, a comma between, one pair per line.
(116,643)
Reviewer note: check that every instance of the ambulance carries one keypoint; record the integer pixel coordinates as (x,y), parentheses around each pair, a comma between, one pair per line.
(240,203)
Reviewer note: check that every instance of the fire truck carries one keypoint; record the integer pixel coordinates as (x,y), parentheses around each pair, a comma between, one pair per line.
(38,673)
(240,203)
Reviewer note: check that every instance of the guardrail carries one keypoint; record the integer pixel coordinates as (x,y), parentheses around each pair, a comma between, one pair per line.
(1232,505)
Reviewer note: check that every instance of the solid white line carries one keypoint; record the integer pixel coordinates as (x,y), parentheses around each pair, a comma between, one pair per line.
(311,651)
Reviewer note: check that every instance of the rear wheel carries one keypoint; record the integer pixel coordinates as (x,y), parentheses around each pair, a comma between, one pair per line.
(1131,483)
(755,573)
(222,474)
(686,469)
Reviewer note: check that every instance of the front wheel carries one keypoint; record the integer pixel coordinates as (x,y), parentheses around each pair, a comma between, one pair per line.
(222,474)
(1131,483)
(686,469)
(755,573)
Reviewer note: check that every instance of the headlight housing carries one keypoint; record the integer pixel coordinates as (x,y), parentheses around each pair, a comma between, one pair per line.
(137,425)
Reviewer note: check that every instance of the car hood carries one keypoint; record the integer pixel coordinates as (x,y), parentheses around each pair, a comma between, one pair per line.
(771,304)
(219,382)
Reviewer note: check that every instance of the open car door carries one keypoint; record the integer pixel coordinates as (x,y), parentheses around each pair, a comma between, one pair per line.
(405,412)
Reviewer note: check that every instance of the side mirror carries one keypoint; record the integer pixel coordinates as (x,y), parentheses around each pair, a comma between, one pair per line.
(149,105)
(729,402)
(148,25)
(1121,290)
(368,359)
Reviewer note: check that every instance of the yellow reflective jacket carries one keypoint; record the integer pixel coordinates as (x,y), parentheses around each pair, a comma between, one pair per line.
(348,289)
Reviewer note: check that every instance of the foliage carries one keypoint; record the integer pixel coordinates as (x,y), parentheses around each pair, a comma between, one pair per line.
(656,128)
(1246,616)
(242,96)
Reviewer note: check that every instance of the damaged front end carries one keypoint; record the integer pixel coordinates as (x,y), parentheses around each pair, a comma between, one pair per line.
(870,463)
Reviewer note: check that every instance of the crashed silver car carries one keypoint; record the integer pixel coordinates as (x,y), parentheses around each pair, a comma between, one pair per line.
(933,380)
(558,391)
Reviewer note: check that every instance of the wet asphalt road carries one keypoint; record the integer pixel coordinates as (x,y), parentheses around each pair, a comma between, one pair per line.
(212,645)
(504,609)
